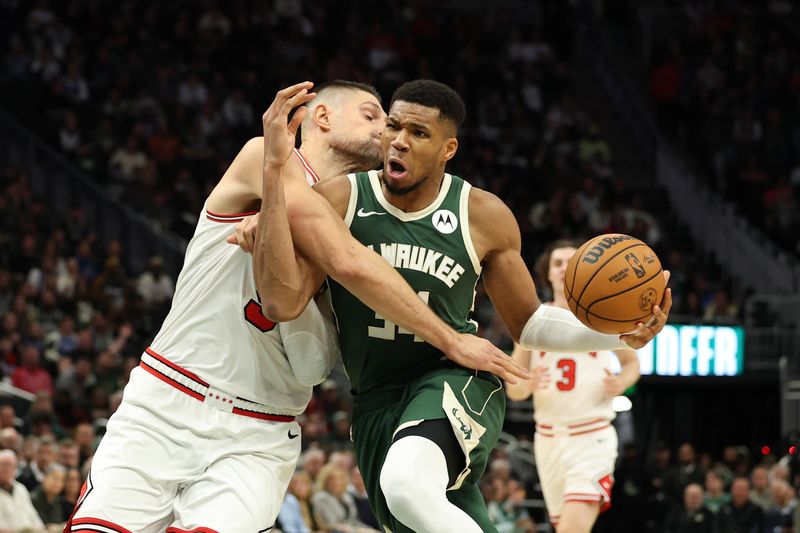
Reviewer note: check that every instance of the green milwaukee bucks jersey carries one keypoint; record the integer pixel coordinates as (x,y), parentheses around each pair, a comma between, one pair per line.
(432,249)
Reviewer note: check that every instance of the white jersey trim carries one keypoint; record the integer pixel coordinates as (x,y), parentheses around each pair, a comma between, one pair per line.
(465,231)
(414,215)
(351,205)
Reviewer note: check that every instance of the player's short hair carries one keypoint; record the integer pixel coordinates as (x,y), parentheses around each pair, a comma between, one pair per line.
(347,84)
(327,93)
(431,93)
(542,265)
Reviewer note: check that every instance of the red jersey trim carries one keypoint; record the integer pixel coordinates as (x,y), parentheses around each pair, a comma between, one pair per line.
(171,382)
(175,367)
(307,166)
(586,423)
(262,416)
(75,526)
(228,219)
(173,529)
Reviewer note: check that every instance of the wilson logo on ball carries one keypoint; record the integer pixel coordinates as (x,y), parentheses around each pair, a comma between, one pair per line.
(596,252)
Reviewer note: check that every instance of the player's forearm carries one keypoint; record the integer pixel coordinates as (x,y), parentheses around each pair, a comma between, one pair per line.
(520,390)
(275,262)
(552,329)
(370,278)
(630,371)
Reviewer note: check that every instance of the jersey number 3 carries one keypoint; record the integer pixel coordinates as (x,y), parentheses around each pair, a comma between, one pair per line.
(253,314)
(567,381)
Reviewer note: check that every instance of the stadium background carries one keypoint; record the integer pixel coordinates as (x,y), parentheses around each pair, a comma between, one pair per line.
(676,122)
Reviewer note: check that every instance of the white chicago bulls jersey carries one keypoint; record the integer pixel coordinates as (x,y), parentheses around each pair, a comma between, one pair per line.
(575,398)
(215,328)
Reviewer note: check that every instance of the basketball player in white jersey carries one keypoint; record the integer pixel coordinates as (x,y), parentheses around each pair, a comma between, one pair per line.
(205,437)
(575,443)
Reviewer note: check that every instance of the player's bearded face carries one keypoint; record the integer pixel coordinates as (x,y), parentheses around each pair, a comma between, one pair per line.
(365,150)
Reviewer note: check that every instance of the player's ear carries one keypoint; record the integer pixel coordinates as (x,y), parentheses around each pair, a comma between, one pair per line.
(322,117)
(450,148)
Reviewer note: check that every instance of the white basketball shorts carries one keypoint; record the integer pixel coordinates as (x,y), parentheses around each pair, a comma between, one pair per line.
(575,466)
(179,458)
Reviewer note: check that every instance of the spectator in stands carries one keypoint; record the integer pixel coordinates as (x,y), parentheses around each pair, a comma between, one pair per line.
(334,508)
(740,514)
(127,161)
(10,439)
(46,498)
(760,493)
(85,437)
(692,516)
(46,453)
(313,460)
(8,416)
(16,510)
(686,471)
(154,285)
(715,496)
(339,437)
(359,493)
(72,489)
(69,455)
(780,519)
(505,509)
(297,514)
(30,376)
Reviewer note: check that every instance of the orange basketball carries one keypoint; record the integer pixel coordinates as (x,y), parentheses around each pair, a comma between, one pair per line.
(612,283)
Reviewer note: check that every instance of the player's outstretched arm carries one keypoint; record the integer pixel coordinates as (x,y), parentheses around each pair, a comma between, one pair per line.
(509,285)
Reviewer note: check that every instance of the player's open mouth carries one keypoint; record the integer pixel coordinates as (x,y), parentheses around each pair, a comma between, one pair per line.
(396,168)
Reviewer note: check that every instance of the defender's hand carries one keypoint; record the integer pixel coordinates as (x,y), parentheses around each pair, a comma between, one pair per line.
(645,332)
(479,354)
(279,131)
(540,378)
(612,385)
(244,235)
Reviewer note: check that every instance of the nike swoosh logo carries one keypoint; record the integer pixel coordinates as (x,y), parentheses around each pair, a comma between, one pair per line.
(293,436)
(363,213)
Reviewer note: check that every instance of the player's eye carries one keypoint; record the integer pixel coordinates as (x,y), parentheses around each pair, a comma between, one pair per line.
(369,117)
(421,134)
(391,125)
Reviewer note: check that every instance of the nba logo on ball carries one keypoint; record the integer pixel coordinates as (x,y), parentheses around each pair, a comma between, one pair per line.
(636,265)
(445,221)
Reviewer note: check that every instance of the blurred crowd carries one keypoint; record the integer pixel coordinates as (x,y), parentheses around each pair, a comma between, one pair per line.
(690,492)
(153,99)
(727,86)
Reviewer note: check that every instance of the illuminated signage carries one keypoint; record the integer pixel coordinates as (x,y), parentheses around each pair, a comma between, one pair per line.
(694,351)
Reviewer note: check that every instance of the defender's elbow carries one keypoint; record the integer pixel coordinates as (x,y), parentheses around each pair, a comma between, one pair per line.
(280,311)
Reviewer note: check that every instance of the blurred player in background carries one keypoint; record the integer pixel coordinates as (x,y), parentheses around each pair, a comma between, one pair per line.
(575,445)
(423,426)
(205,437)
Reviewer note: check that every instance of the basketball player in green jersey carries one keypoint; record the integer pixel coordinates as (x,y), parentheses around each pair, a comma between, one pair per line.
(423,426)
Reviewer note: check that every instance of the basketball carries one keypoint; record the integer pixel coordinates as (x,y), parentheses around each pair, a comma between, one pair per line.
(612,283)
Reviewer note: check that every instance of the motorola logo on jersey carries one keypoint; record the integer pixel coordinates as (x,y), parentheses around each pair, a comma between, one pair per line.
(445,221)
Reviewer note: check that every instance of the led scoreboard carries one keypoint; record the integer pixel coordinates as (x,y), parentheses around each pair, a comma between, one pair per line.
(682,350)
